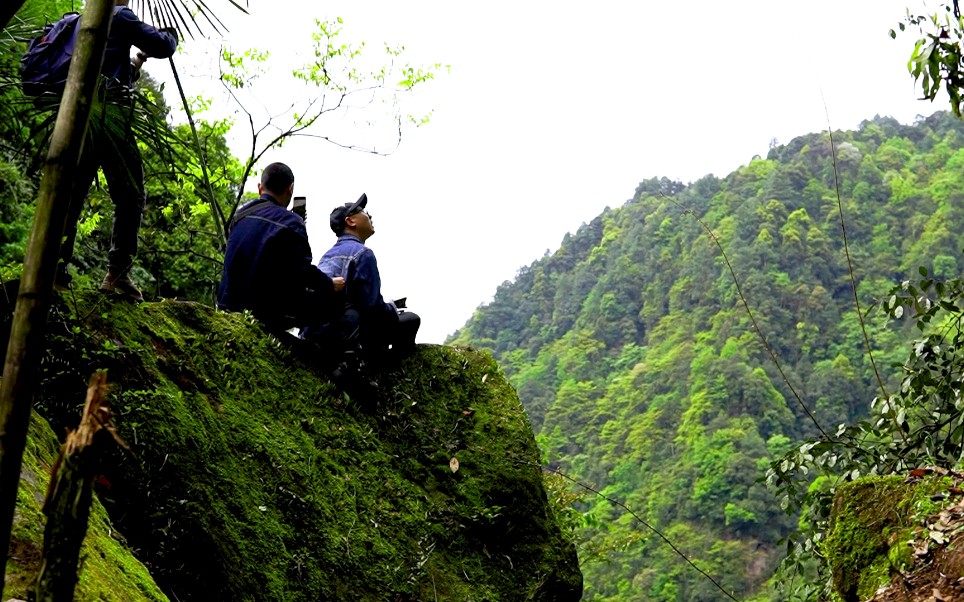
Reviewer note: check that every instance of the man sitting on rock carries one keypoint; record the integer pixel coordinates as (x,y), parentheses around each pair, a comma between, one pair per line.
(267,264)
(384,332)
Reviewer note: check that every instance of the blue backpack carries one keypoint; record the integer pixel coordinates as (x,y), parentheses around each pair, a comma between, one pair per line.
(44,67)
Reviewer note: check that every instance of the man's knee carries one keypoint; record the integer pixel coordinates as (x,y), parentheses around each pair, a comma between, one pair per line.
(408,324)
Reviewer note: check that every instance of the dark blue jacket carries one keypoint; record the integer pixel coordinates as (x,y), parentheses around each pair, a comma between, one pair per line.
(268,269)
(127,30)
(352,260)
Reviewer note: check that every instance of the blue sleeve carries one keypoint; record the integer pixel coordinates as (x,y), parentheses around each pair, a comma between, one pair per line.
(148,39)
(367,286)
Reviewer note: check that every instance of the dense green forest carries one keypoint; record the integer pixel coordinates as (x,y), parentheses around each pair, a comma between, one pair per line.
(644,376)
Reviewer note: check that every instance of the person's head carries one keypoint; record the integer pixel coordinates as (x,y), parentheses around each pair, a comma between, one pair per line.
(352,218)
(278,181)
(121,2)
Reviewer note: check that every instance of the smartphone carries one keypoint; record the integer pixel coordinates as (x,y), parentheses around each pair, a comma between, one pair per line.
(400,303)
(298,206)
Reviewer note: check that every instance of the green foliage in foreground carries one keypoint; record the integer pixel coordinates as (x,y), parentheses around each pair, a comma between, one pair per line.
(936,62)
(643,374)
(253,478)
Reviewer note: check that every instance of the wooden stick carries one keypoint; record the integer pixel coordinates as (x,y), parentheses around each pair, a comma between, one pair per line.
(70,493)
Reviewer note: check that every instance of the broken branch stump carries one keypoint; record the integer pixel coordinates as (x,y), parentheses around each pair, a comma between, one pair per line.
(69,496)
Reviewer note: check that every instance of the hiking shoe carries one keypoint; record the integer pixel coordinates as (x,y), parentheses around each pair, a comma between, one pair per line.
(62,279)
(121,285)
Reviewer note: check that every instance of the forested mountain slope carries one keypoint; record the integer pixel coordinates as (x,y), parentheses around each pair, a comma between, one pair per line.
(643,374)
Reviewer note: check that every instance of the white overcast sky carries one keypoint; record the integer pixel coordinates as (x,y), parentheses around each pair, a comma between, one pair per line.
(553,111)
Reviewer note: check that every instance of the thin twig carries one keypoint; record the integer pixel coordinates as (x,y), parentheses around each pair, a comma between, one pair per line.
(850,266)
(853,278)
(216,209)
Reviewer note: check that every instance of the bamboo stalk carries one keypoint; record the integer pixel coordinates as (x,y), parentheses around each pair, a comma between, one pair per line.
(28,329)
(7,10)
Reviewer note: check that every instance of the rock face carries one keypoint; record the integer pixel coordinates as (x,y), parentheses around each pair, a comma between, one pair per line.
(254,478)
(898,539)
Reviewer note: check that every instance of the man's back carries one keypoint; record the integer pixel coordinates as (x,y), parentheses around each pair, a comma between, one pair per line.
(337,260)
(261,262)
(351,259)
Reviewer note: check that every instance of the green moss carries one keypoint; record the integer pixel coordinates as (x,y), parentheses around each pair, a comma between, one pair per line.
(873,518)
(108,569)
(254,478)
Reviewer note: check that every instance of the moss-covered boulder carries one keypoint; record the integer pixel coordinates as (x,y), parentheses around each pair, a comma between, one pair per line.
(873,524)
(254,478)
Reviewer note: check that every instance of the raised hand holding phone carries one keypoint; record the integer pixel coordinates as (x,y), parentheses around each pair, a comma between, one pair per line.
(299,207)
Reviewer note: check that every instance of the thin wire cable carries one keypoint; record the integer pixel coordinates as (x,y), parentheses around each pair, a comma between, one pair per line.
(642,522)
(739,290)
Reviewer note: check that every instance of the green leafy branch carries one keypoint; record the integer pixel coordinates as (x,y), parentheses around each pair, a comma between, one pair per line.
(338,80)
(920,425)
(936,61)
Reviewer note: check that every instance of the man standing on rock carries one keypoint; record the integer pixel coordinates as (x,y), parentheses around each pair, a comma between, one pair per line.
(115,150)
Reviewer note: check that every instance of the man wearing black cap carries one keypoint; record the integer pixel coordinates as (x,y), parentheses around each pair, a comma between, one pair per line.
(267,264)
(370,320)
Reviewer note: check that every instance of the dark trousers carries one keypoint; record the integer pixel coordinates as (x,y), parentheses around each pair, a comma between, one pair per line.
(123,167)
(389,343)
(334,338)
(379,344)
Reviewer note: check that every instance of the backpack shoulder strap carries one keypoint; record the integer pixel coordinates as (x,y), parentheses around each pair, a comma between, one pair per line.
(246,211)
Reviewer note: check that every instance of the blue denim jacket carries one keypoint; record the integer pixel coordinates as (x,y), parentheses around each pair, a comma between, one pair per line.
(268,269)
(355,262)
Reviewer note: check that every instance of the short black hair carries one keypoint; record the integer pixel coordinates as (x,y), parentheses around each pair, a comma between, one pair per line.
(277,177)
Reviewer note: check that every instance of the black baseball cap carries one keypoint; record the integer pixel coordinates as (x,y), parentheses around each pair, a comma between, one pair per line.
(339,213)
